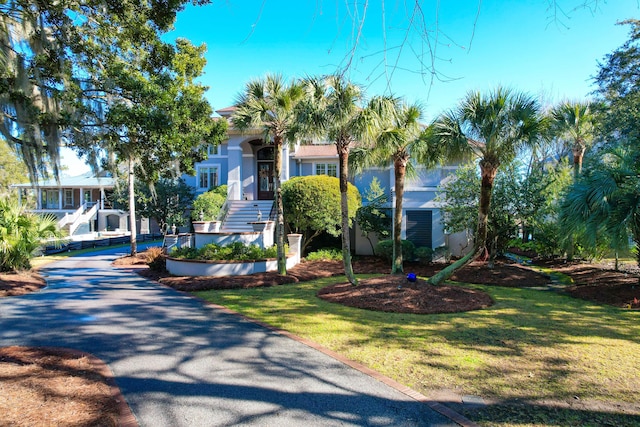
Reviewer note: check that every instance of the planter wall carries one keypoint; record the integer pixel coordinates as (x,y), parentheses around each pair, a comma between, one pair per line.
(180,267)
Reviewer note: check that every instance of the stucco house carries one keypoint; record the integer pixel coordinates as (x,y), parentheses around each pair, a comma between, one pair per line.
(245,164)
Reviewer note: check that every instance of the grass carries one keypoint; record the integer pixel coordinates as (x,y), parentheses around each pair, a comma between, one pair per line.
(532,346)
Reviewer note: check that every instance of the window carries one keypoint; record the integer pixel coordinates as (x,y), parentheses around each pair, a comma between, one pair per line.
(330,169)
(68,197)
(213,149)
(208,177)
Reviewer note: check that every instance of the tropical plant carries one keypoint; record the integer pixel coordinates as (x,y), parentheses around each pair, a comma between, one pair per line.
(21,233)
(398,140)
(574,123)
(373,216)
(269,104)
(332,109)
(605,202)
(312,206)
(207,206)
(493,128)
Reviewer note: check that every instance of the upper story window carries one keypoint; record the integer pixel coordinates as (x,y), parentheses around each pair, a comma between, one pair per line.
(213,149)
(330,169)
(208,177)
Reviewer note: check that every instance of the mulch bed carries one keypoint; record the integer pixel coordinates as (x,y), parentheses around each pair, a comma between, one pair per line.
(54,387)
(393,293)
(24,282)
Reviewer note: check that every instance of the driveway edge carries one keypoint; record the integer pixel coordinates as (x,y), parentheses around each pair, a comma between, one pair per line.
(438,407)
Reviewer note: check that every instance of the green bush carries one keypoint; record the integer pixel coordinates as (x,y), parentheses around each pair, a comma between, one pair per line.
(326,254)
(209,204)
(424,254)
(384,249)
(312,206)
(235,251)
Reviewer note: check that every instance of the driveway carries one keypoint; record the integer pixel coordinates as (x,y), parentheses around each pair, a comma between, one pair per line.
(180,362)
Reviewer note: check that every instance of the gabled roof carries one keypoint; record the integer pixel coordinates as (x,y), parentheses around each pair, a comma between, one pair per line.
(87,180)
(316,151)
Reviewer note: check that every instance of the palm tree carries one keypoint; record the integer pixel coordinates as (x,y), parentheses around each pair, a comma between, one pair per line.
(493,128)
(269,104)
(397,140)
(606,199)
(574,123)
(332,109)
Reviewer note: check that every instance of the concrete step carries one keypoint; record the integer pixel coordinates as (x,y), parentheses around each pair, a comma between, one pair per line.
(241,212)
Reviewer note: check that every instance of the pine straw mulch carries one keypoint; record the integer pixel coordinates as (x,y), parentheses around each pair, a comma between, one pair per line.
(58,387)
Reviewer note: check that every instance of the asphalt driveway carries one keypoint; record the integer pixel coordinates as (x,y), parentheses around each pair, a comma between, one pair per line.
(180,362)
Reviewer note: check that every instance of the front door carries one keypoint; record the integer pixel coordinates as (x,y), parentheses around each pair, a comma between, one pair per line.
(265,180)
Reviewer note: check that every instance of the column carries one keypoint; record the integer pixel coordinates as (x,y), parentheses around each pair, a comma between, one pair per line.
(234,176)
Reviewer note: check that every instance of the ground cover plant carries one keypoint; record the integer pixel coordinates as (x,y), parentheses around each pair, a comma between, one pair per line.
(236,251)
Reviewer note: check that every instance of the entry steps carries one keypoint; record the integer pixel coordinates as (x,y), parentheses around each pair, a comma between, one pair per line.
(241,212)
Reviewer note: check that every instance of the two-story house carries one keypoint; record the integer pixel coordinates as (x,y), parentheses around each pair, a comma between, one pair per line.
(245,164)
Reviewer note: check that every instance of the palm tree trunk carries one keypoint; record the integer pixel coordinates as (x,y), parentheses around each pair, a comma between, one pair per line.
(400,169)
(578,156)
(448,271)
(277,161)
(132,207)
(488,172)
(343,156)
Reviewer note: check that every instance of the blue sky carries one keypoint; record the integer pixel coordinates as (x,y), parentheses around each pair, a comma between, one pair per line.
(471,45)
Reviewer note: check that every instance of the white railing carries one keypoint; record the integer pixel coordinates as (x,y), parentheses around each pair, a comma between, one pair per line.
(85,217)
(71,218)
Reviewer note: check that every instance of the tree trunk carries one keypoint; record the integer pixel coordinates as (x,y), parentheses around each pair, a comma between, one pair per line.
(277,168)
(488,171)
(578,156)
(132,207)
(343,155)
(400,169)
(448,271)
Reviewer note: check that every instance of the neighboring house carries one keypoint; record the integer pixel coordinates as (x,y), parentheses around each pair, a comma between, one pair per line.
(245,164)
(82,203)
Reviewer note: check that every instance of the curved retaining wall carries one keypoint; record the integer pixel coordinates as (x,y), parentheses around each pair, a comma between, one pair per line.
(183,267)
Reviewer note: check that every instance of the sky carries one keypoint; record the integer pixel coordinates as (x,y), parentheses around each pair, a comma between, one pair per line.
(547,48)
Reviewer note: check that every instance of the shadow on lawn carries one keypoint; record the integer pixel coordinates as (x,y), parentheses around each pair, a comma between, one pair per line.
(515,412)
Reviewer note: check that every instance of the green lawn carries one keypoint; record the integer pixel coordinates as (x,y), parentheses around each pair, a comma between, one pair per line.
(532,346)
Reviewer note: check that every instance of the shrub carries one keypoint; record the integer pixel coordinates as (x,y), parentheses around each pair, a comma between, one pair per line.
(312,206)
(326,254)
(236,251)
(209,203)
(155,259)
(384,249)
(424,254)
